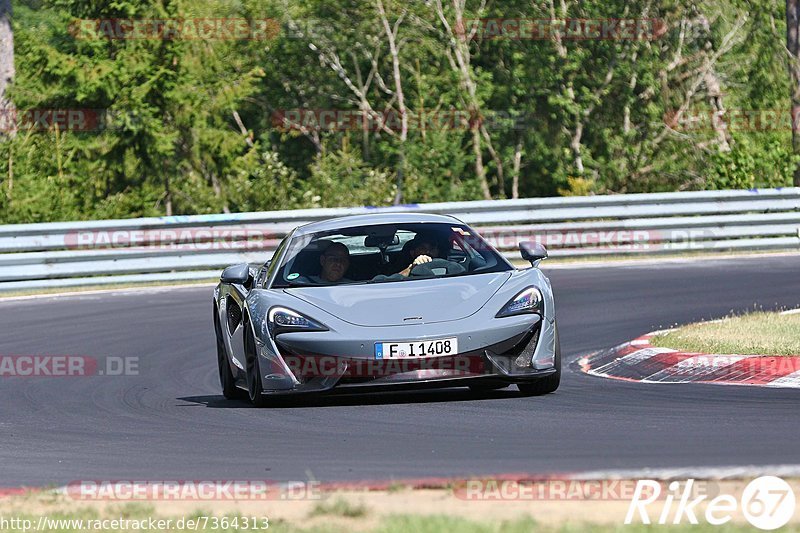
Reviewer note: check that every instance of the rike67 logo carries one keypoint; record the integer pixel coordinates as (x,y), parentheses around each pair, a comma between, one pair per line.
(767,502)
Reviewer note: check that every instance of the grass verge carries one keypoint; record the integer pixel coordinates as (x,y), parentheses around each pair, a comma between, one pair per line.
(407,511)
(339,507)
(757,333)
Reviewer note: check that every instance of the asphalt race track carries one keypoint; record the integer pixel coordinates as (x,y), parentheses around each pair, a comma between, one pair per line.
(170,422)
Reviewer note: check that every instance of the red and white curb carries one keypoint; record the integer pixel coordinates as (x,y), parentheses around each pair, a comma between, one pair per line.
(640,361)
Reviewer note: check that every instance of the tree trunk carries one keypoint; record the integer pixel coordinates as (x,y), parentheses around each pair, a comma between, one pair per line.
(715,101)
(517,168)
(575,145)
(7,110)
(480,170)
(217,187)
(394,50)
(401,162)
(167,197)
(6,56)
(793,44)
(461,66)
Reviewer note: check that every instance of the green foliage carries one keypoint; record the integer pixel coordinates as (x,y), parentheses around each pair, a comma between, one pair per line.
(190,124)
(577,187)
(765,161)
(438,169)
(343,178)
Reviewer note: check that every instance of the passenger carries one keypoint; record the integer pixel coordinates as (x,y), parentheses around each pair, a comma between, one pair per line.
(335,261)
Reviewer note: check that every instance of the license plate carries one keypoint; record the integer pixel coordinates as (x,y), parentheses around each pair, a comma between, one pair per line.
(416,349)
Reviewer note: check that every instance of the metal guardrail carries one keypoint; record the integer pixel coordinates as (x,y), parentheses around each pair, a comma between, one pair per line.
(178,248)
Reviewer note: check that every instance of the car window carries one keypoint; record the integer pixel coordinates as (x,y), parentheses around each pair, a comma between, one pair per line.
(383,254)
(354,244)
(273,265)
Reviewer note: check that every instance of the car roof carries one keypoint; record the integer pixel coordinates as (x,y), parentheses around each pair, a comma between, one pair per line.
(375,219)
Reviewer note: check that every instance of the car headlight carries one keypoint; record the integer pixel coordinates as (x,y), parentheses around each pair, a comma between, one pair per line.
(528,301)
(284,320)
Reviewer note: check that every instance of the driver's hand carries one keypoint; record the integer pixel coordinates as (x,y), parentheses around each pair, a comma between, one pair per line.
(418,261)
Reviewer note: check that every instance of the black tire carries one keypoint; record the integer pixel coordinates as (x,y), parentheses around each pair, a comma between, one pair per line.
(548,384)
(229,389)
(254,384)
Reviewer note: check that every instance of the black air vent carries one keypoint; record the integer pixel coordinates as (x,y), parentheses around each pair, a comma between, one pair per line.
(234,315)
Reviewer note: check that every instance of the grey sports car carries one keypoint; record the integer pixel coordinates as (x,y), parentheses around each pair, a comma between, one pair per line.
(385,300)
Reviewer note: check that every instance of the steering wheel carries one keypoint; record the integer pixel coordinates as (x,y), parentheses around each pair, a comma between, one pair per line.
(434,268)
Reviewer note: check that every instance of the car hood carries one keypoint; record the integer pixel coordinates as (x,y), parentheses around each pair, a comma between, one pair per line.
(405,302)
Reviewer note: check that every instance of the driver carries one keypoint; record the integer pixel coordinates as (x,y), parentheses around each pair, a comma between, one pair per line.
(335,261)
(422,249)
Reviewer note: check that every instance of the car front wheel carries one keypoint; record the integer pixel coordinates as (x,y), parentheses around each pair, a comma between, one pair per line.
(229,389)
(254,387)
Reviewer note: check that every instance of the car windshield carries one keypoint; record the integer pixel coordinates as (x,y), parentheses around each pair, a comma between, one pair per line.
(386,253)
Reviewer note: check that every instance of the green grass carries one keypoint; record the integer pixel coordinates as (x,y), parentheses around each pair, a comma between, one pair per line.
(443,523)
(756,333)
(351,517)
(339,507)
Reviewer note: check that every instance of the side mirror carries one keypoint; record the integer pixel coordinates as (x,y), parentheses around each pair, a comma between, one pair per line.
(532,251)
(236,274)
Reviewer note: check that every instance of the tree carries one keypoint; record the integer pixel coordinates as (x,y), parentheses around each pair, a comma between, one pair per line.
(7,110)
(793,44)
(429,109)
